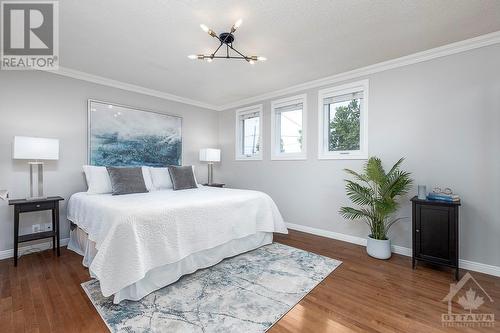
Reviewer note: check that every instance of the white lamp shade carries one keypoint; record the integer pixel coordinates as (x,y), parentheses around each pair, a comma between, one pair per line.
(209,155)
(29,148)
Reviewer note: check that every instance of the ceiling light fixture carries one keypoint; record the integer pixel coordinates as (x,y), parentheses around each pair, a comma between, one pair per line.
(226,39)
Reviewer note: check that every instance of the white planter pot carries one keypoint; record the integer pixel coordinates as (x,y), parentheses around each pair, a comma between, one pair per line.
(377,248)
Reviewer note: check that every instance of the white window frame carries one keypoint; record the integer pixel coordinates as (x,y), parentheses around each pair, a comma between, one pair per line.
(276,135)
(323,152)
(239,156)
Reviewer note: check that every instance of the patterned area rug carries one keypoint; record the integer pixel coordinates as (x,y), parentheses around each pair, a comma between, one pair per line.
(246,293)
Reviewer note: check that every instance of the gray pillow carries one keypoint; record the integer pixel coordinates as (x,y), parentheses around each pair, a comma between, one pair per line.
(126,180)
(182,177)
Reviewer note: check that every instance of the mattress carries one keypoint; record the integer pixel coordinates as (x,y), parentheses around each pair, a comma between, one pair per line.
(132,235)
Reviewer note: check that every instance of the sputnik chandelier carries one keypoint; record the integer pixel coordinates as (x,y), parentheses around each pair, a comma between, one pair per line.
(225,39)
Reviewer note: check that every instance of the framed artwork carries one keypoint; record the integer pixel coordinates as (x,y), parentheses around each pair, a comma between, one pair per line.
(120,135)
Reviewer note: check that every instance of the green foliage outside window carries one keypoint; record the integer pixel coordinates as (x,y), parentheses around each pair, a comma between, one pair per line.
(344,128)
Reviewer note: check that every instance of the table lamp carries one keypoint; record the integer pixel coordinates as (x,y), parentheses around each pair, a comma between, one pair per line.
(210,155)
(34,150)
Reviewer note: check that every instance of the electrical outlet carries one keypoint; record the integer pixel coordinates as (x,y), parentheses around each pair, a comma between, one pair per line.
(36,228)
(47,227)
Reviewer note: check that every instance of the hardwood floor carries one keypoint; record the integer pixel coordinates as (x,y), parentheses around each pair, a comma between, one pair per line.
(43,294)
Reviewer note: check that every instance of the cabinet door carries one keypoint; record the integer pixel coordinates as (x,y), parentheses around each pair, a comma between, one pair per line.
(435,234)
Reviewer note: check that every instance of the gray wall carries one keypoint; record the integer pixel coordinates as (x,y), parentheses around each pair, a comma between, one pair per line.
(442,115)
(48,105)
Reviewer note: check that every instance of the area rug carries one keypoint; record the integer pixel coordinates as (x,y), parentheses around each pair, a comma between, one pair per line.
(246,293)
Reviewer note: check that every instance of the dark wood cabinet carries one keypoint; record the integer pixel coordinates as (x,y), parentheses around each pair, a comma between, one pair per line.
(435,232)
(36,205)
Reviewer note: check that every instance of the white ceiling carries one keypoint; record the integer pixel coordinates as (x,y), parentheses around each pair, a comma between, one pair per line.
(146,42)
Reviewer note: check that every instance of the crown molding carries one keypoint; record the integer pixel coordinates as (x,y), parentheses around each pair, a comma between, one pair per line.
(438,52)
(79,75)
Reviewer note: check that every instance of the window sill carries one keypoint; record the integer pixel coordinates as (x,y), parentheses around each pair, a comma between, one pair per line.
(326,156)
(288,157)
(251,158)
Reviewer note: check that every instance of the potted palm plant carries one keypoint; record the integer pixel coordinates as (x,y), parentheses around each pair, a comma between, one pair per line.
(376,192)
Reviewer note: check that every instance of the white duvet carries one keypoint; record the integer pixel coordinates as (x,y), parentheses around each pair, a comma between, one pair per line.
(135,233)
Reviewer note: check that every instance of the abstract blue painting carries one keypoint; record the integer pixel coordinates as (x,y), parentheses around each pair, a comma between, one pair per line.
(122,136)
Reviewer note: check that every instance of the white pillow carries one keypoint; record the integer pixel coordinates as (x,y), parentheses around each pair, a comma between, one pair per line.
(98,181)
(148,181)
(160,178)
(196,180)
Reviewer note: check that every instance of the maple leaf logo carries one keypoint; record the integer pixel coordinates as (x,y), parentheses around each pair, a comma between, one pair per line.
(470,301)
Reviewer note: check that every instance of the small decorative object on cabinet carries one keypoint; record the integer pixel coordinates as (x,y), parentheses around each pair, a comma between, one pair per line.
(23,206)
(215,185)
(4,194)
(435,232)
(422,192)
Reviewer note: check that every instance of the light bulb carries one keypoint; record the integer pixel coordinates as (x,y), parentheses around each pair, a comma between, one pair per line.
(261,58)
(204,27)
(192,56)
(212,33)
(251,62)
(236,25)
(209,59)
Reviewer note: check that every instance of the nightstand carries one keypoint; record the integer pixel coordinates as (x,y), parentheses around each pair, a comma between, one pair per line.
(215,185)
(35,205)
(435,232)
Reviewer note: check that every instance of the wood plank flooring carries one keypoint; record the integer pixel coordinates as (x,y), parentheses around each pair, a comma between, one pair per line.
(43,294)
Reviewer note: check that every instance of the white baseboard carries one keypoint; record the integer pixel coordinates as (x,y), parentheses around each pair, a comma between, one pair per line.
(406,251)
(479,267)
(5,254)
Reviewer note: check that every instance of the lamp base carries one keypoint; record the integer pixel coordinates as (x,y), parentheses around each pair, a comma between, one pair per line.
(39,194)
(210,173)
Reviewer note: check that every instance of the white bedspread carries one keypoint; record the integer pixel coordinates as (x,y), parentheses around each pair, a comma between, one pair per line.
(135,233)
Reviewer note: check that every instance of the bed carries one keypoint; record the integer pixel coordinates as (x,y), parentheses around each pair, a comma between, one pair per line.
(135,244)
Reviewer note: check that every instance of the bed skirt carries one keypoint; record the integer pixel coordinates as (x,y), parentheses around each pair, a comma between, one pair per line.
(162,276)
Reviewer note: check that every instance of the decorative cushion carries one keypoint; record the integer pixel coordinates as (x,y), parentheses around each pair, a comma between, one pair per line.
(126,180)
(182,177)
(160,178)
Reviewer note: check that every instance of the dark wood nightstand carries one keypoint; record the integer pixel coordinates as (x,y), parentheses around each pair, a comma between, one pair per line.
(35,205)
(215,185)
(435,232)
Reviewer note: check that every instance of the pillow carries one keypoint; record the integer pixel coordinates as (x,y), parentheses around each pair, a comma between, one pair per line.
(196,180)
(98,181)
(182,177)
(160,178)
(148,181)
(126,180)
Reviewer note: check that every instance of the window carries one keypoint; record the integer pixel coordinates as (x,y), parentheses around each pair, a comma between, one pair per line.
(288,128)
(249,133)
(343,115)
